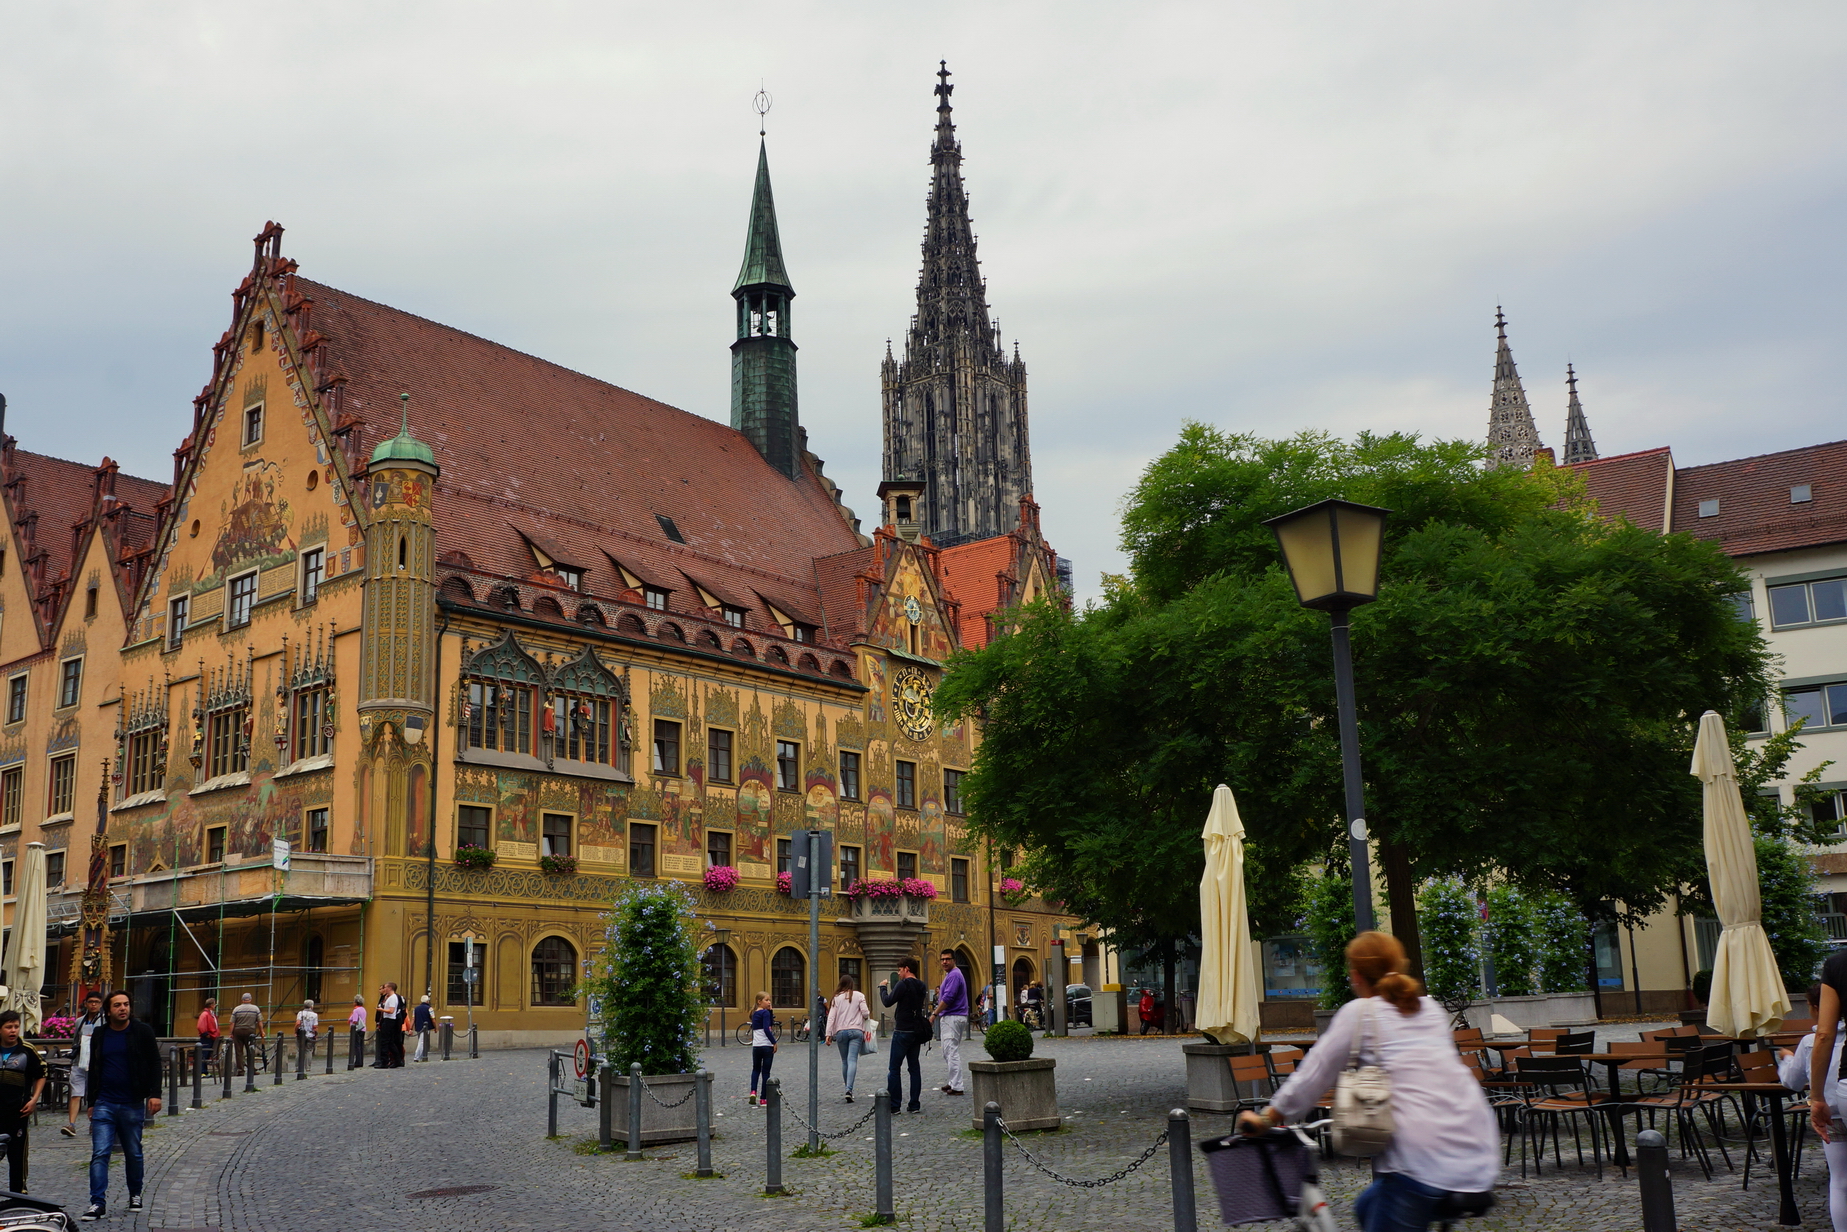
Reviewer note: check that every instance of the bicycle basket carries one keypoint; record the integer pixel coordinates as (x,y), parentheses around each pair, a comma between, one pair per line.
(1258,1179)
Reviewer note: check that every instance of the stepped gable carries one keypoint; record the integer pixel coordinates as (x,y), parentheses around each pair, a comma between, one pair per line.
(1756,510)
(534,453)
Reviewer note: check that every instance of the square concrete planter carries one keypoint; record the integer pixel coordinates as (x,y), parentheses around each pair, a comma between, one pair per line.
(1209,1085)
(1026,1091)
(658,1124)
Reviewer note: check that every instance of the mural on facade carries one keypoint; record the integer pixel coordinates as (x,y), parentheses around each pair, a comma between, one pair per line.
(254,525)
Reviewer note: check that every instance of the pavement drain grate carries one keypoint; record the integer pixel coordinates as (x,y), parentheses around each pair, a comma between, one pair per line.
(453,1191)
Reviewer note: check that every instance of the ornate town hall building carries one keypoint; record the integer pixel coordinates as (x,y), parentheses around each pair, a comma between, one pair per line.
(955,405)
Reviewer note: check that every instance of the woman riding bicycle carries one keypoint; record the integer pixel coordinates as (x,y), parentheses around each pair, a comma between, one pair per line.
(1445,1139)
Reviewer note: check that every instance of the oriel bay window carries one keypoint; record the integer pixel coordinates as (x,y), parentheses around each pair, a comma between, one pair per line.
(222,720)
(145,738)
(311,685)
(586,698)
(500,700)
(570,712)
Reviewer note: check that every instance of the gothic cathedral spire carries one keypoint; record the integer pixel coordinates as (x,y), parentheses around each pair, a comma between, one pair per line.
(1579,447)
(955,405)
(1512,438)
(763,357)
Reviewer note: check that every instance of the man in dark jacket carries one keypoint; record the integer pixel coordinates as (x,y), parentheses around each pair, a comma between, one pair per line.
(910,1028)
(22,1082)
(123,1086)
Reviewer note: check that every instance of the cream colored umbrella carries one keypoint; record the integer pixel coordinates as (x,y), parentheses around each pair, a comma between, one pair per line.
(1747,989)
(1227,1008)
(25,947)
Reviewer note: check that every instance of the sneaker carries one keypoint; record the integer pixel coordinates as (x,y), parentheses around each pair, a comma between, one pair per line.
(849,1097)
(69,1131)
(134,1202)
(753,1099)
(94,1212)
(953,1091)
(915,1108)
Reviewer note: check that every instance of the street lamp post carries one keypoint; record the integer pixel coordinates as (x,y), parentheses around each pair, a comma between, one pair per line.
(1332,552)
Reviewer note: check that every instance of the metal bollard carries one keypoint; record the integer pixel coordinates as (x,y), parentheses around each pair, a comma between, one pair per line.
(995,1217)
(634,1111)
(702,1120)
(276,1068)
(551,1096)
(173,1081)
(448,1038)
(301,1057)
(474,1044)
(605,1107)
(1657,1187)
(772,1125)
(198,1078)
(881,1159)
(1180,1165)
(223,1051)
(330,1053)
(250,1065)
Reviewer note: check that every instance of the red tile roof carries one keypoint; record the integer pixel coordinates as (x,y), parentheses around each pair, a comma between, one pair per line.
(528,448)
(1631,485)
(981,574)
(1755,511)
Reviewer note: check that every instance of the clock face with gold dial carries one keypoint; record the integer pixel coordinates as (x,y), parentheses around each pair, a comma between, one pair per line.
(910,703)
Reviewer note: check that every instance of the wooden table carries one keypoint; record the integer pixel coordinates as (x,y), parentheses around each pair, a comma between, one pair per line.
(1773,1093)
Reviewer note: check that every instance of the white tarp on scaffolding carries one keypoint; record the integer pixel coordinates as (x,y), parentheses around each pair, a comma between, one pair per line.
(24,960)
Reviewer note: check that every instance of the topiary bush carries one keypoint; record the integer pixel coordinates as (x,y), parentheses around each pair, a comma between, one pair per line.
(645,985)
(1009,1041)
(1447,918)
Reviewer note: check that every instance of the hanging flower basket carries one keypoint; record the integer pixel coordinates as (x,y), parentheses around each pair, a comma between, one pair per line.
(468,855)
(721,878)
(917,887)
(562,866)
(784,883)
(1013,890)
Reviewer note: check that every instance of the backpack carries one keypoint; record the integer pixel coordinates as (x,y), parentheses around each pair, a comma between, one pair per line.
(1362,1102)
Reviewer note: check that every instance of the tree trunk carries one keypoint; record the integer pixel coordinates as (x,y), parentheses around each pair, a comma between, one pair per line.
(1401,889)
(1172,1016)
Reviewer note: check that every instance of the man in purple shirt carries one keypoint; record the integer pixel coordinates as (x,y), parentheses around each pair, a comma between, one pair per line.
(952,1012)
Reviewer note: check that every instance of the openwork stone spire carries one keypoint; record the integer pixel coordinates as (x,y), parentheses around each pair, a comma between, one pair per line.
(955,405)
(1512,436)
(1578,445)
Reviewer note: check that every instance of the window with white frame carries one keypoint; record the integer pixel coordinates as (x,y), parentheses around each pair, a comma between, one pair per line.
(178,609)
(70,682)
(313,573)
(1808,602)
(240,600)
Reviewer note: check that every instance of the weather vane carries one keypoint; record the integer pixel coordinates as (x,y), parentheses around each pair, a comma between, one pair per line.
(762,103)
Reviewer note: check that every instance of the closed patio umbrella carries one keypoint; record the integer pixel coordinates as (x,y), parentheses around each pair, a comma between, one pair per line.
(25,947)
(1747,989)
(1227,1009)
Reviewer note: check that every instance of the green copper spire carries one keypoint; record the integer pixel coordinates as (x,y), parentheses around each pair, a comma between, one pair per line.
(404,447)
(762,245)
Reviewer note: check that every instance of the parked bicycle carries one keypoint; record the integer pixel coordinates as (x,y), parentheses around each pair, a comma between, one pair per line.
(800,1030)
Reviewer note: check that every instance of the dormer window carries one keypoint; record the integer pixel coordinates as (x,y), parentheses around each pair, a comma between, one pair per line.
(572,578)
(801,633)
(734,616)
(654,597)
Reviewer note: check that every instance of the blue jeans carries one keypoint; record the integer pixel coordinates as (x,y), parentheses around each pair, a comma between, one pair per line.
(1396,1203)
(905,1045)
(111,1123)
(848,1043)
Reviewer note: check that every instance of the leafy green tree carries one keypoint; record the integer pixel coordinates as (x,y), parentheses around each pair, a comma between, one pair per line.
(1528,673)
(1328,921)
(1791,915)
(1564,943)
(645,983)
(1452,965)
(1513,941)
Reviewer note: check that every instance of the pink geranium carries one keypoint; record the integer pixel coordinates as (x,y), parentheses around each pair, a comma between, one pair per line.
(917,887)
(784,882)
(721,877)
(1011,885)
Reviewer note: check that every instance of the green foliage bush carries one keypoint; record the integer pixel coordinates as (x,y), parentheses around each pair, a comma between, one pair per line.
(645,984)
(1564,944)
(1787,885)
(1446,917)
(1511,936)
(1329,925)
(1009,1041)
(1702,984)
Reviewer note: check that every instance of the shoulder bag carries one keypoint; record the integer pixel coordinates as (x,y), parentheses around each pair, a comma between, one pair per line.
(1362,1101)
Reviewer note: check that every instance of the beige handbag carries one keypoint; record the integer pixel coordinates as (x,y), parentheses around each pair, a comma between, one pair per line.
(1362,1102)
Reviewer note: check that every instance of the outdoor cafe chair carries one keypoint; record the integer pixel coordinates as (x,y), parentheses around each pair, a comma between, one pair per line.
(1691,1100)
(1558,1089)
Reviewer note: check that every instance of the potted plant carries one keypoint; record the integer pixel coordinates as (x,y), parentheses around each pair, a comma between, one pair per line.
(560,866)
(469,855)
(1025,1087)
(1013,890)
(721,878)
(917,887)
(644,986)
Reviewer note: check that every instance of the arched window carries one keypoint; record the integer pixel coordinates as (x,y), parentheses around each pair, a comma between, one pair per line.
(497,711)
(314,957)
(554,972)
(457,588)
(1022,976)
(787,970)
(630,623)
(720,967)
(547,607)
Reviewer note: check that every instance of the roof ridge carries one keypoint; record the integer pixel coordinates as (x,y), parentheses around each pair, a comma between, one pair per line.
(1759,456)
(120,474)
(1618,457)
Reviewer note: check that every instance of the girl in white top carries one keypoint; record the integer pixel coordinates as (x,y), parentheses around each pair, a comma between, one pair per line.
(1445,1138)
(846,1027)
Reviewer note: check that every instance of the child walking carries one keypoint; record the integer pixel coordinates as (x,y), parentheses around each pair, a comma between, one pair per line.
(762,1047)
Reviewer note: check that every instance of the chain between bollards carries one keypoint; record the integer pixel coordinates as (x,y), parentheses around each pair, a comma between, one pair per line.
(1180,1165)
(1657,1187)
(772,1125)
(702,1118)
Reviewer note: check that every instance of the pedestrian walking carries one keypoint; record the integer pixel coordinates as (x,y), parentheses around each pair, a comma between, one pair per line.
(423,1021)
(246,1030)
(209,1034)
(951,1018)
(390,1028)
(124,1090)
(846,1028)
(910,1028)
(1444,1139)
(307,1029)
(356,1021)
(22,1084)
(762,1048)
(1827,1092)
(80,1056)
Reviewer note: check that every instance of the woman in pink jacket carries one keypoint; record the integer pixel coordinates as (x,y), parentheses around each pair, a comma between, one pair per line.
(846,1026)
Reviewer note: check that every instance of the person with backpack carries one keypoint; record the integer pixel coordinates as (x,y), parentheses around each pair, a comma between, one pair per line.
(1443,1140)
(22,1083)
(80,1055)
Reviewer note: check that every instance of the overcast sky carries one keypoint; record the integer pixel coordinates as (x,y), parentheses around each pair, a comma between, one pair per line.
(1270,217)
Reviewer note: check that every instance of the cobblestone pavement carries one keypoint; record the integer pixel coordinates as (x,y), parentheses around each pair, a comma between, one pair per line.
(349,1152)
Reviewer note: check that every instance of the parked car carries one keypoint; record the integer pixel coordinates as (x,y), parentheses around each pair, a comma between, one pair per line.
(1077,1005)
